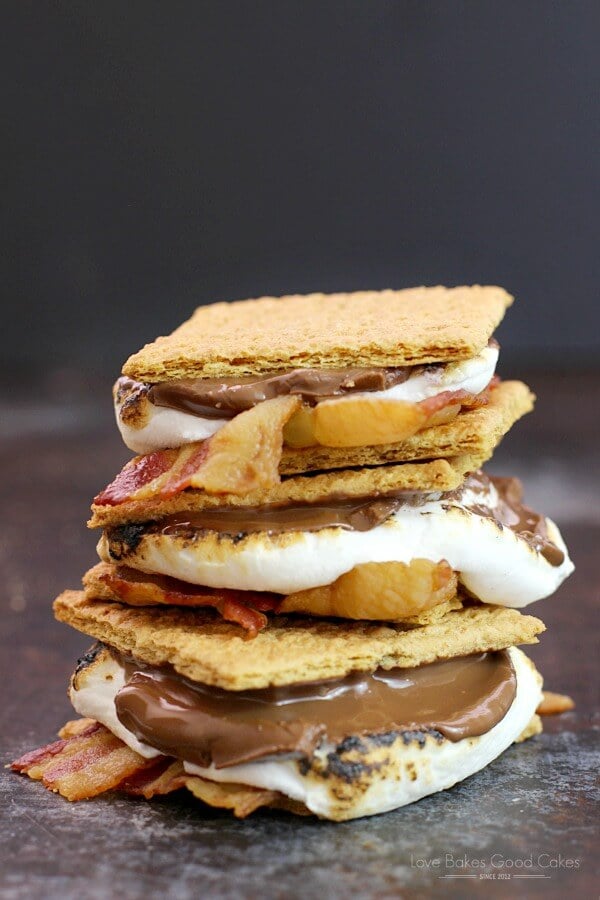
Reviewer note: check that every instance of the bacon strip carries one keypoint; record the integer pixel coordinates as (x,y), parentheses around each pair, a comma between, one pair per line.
(84,765)
(93,761)
(449,398)
(75,726)
(135,588)
(244,455)
(241,799)
(163,777)
(139,478)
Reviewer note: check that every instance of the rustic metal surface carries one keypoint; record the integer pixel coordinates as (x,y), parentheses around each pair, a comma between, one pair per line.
(532,813)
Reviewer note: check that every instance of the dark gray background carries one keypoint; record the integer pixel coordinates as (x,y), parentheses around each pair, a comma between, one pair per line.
(162,155)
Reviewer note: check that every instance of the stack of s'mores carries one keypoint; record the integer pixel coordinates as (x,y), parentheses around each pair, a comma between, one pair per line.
(309,591)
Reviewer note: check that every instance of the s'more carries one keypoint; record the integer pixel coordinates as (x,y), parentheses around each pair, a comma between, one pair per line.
(309,592)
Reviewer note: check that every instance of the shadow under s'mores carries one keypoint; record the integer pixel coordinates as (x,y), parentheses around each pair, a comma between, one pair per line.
(309,591)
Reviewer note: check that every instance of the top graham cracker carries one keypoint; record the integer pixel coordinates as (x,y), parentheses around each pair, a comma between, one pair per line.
(366,328)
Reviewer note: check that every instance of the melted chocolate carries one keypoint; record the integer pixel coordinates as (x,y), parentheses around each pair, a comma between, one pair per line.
(354,515)
(511,513)
(457,698)
(223,398)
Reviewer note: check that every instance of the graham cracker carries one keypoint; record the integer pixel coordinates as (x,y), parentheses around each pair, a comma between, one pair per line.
(205,649)
(426,476)
(365,328)
(475,431)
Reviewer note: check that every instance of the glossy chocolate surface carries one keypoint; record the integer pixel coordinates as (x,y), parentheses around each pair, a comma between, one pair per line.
(223,398)
(354,515)
(457,698)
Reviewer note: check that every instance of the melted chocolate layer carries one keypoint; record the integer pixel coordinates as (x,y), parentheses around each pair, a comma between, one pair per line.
(354,515)
(223,398)
(457,698)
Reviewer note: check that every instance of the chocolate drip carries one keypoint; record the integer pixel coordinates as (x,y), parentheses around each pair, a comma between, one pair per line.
(511,512)
(223,398)
(457,698)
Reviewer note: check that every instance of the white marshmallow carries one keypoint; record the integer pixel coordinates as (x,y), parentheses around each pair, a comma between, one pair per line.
(492,562)
(98,685)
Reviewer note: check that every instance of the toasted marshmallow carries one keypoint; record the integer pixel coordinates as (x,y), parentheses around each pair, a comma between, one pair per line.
(378,779)
(164,427)
(356,778)
(92,692)
(493,562)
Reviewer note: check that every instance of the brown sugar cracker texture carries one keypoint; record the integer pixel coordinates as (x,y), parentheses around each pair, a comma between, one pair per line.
(365,328)
(475,431)
(433,475)
(289,650)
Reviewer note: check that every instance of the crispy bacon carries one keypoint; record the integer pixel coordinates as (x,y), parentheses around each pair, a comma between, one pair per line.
(92,761)
(483,398)
(463,398)
(183,472)
(75,726)
(135,588)
(163,777)
(140,477)
(242,456)
(241,799)
(84,765)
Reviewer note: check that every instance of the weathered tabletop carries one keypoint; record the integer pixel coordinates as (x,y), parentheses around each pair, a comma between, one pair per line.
(526,825)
